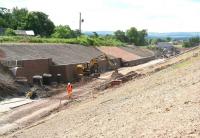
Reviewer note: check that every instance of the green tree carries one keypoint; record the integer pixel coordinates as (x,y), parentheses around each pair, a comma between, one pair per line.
(120,35)
(142,37)
(40,23)
(168,39)
(109,36)
(3,10)
(4,17)
(132,35)
(77,33)
(95,35)
(136,37)
(194,41)
(2,23)
(18,18)
(63,32)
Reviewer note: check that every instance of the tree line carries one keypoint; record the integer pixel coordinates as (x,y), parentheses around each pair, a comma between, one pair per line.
(192,42)
(39,22)
(132,35)
(22,19)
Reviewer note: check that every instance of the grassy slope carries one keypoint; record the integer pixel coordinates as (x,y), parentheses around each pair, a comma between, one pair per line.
(83,40)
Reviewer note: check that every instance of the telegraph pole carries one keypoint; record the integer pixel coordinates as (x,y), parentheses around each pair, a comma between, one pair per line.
(80,22)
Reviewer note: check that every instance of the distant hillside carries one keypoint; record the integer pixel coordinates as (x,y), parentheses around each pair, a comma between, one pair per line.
(99,32)
(174,35)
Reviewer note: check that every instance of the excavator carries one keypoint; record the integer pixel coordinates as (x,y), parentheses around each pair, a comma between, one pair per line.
(91,69)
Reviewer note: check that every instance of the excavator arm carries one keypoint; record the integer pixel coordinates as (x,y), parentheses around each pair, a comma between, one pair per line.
(92,68)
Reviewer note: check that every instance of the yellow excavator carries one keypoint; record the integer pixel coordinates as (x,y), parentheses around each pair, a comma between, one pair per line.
(92,68)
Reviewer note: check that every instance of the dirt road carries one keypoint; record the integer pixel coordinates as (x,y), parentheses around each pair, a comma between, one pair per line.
(163,104)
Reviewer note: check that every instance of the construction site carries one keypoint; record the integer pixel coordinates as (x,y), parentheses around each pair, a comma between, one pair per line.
(117,91)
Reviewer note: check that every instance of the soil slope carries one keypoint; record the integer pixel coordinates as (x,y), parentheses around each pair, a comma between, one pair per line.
(164,104)
(7,85)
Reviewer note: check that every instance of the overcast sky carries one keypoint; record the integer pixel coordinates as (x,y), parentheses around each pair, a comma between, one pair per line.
(111,15)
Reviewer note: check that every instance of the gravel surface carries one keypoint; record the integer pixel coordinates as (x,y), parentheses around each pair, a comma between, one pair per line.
(142,52)
(119,53)
(60,53)
(64,53)
(164,104)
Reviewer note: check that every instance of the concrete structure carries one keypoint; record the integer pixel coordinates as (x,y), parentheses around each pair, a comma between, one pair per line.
(37,59)
(165,45)
(31,68)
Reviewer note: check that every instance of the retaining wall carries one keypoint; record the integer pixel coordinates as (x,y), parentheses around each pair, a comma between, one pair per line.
(29,68)
(33,67)
(105,66)
(138,61)
(69,74)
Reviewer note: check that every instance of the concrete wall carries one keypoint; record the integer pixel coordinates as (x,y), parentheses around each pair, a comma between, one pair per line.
(68,72)
(138,61)
(104,65)
(58,69)
(29,68)
(33,67)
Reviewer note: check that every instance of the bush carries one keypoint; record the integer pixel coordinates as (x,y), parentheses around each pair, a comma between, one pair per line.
(63,32)
(10,32)
(152,47)
(83,40)
(187,44)
(194,41)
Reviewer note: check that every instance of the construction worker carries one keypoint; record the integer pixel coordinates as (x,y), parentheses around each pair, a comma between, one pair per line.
(69,90)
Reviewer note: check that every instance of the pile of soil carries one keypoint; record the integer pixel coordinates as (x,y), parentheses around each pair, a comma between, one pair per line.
(115,75)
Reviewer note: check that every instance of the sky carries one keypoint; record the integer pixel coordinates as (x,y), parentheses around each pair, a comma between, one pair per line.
(112,15)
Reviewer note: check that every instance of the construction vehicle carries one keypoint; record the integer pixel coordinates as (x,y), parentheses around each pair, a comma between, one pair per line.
(91,69)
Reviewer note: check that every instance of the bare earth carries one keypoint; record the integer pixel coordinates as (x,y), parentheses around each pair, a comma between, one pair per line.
(164,104)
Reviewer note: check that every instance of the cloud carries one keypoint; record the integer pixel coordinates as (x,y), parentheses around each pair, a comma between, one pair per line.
(153,15)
